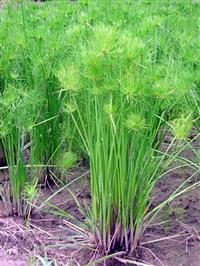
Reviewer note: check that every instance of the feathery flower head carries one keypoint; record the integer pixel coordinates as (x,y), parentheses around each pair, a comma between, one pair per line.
(135,122)
(182,126)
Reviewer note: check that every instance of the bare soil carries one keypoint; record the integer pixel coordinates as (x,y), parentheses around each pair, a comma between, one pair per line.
(172,241)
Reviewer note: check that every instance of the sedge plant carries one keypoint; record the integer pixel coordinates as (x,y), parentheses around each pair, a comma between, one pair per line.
(18,111)
(120,103)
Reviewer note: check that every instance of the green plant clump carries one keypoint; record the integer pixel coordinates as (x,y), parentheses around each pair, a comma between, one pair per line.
(120,106)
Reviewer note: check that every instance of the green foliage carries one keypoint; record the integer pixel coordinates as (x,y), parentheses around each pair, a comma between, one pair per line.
(18,112)
(104,80)
(67,160)
(119,119)
(182,126)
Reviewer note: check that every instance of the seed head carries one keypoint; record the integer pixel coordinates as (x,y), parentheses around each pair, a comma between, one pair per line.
(69,78)
(182,126)
(67,160)
(135,122)
(69,107)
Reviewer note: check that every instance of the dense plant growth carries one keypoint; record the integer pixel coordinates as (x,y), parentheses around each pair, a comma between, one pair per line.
(77,81)
(120,103)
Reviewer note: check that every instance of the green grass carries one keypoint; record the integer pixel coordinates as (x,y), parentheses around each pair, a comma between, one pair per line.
(103,80)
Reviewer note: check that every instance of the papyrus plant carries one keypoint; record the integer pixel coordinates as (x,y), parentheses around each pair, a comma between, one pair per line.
(28,53)
(120,102)
(18,111)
